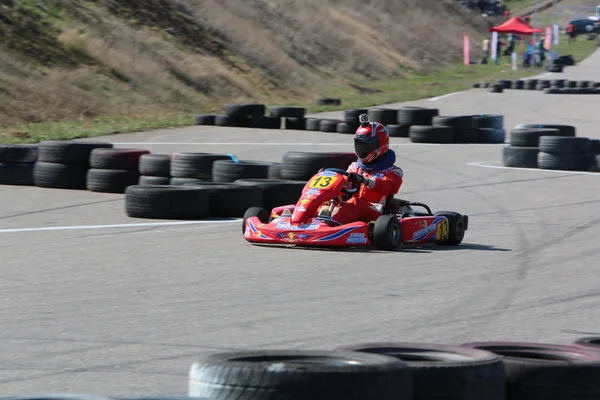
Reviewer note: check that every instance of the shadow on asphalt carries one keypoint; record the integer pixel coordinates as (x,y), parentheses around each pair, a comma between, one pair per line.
(405,248)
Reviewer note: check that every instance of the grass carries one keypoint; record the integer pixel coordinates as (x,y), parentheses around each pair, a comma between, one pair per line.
(415,86)
(412,86)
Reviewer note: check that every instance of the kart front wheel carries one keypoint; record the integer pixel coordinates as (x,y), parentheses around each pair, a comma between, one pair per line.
(387,233)
(262,214)
(457,228)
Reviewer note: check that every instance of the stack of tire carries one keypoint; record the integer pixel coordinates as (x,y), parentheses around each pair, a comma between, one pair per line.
(16,164)
(113,170)
(565,153)
(524,143)
(408,116)
(241,115)
(482,128)
(193,167)
(301,166)
(63,164)
(500,370)
(154,169)
(350,123)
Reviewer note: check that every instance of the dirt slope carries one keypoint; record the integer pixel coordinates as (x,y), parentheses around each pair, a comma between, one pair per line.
(61,60)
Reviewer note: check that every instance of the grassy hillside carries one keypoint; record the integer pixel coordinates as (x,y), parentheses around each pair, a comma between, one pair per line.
(63,60)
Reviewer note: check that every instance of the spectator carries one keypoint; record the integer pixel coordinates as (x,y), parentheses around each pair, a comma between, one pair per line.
(486,50)
(571,32)
(541,51)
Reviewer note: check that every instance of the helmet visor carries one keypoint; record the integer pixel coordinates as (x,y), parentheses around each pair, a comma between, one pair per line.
(365,145)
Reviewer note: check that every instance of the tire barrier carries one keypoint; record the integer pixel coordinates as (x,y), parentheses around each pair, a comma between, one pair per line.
(112,170)
(553,147)
(484,128)
(16,164)
(64,165)
(548,86)
(154,169)
(300,375)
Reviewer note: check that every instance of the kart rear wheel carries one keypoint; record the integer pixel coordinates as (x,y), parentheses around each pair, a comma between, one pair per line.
(457,227)
(387,233)
(262,214)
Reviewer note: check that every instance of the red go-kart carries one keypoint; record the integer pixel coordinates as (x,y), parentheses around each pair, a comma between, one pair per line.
(305,224)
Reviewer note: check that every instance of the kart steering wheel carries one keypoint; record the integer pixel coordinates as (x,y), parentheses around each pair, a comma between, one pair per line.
(345,173)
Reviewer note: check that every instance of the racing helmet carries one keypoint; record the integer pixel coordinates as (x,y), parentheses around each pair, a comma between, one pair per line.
(371,140)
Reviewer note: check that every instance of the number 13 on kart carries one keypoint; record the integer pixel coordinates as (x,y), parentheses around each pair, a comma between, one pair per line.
(322,182)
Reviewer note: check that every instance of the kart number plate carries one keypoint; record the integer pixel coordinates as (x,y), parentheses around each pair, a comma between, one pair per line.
(322,182)
(443,230)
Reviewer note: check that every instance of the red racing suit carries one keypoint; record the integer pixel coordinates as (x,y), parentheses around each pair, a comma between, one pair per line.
(367,204)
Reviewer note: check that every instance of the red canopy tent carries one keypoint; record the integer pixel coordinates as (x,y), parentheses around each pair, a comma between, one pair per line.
(516,25)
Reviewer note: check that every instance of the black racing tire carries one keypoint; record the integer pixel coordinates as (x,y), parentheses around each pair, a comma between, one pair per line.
(328,125)
(245,110)
(148,180)
(20,174)
(194,165)
(204,119)
(558,83)
(595,146)
(301,166)
(462,122)
(155,165)
(298,124)
(564,162)
(70,153)
(408,115)
(397,130)
(547,371)
(59,176)
(234,121)
(18,153)
(458,225)
(552,91)
(344,128)
(110,180)
(442,372)
(274,171)
(384,116)
(529,137)
(387,233)
(466,136)
(265,122)
(287,112)
(571,84)
(166,202)
(520,157)
(505,83)
(496,88)
(262,214)
(327,101)
(230,171)
(228,200)
(351,116)
(123,159)
(493,121)
(187,181)
(492,135)
(313,124)
(431,134)
(584,84)
(276,192)
(476,85)
(564,130)
(564,145)
(517,84)
(592,342)
(300,375)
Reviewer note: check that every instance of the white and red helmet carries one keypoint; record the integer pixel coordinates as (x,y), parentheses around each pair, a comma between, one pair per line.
(371,140)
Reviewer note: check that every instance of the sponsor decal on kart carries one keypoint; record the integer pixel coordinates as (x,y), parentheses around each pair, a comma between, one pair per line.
(421,223)
(377,175)
(337,235)
(357,238)
(255,231)
(304,227)
(322,182)
(292,237)
(423,233)
(313,192)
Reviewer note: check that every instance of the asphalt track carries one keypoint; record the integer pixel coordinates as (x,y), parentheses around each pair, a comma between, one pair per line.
(93,304)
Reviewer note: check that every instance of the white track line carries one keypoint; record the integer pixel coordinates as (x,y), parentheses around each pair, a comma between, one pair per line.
(444,96)
(286,144)
(555,171)
(89,227)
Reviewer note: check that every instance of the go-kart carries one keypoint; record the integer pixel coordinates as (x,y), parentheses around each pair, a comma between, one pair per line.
(305,223)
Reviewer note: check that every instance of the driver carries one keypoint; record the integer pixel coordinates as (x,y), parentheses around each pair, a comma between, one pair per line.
(375,169)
